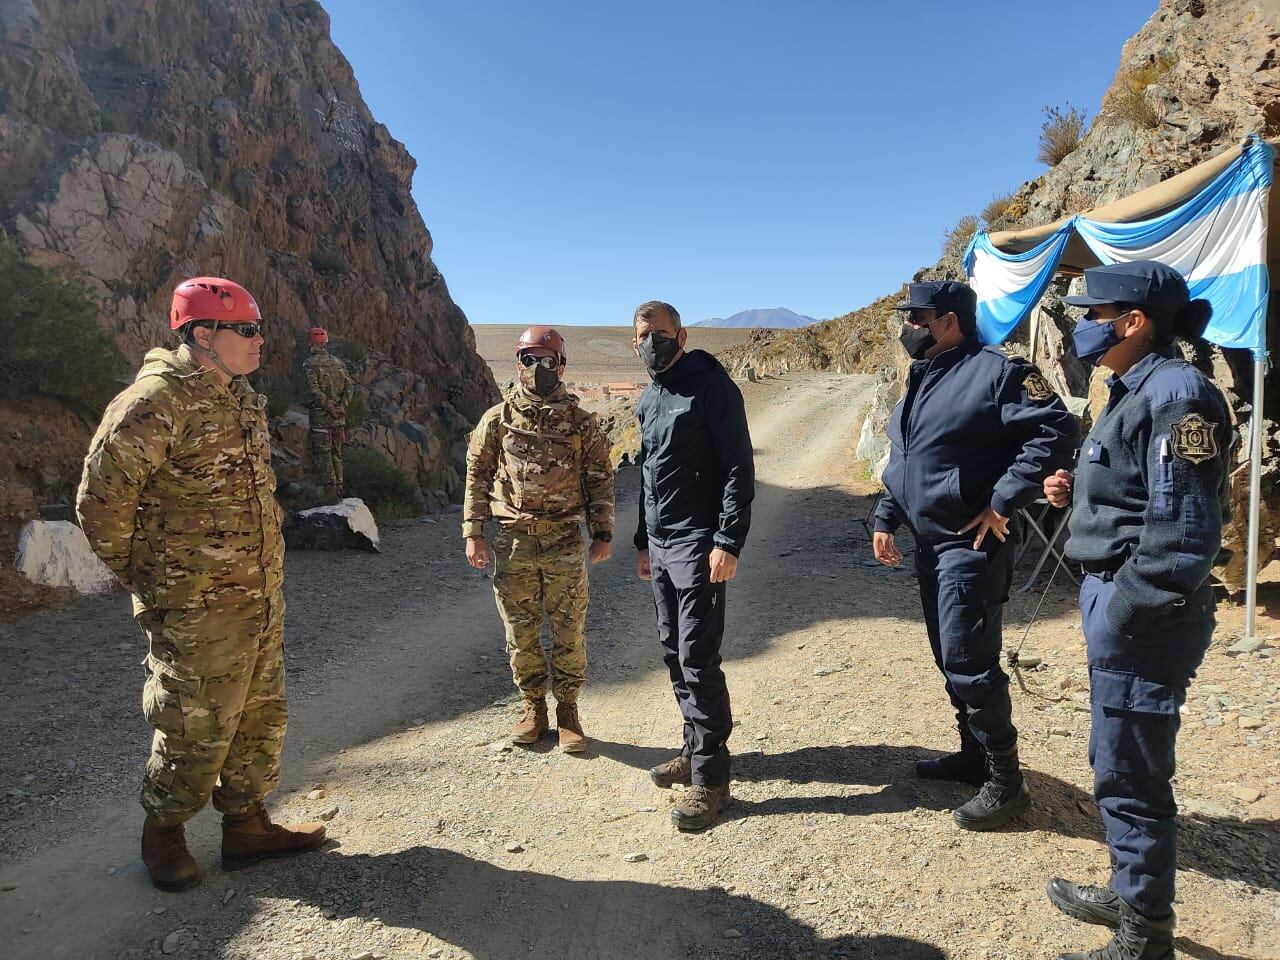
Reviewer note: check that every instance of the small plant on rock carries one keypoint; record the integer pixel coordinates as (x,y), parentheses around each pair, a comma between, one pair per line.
(1060,134)
(957,238)
(386,489)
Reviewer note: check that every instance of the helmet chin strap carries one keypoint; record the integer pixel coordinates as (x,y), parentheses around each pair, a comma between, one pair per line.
(212,354)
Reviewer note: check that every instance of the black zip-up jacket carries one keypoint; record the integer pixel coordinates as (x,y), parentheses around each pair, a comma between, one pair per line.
(976,427)
(696,458)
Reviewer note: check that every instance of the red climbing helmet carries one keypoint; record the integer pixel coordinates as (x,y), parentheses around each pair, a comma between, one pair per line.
(212,298)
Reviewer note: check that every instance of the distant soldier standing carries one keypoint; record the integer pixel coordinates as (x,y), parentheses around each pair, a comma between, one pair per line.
(538,463)
(178,500)
(329,390)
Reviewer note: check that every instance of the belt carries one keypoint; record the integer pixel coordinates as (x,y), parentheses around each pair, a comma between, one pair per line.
(1102,568)
(536,527)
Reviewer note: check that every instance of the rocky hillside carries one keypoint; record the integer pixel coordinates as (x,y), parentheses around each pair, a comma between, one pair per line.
(141,143)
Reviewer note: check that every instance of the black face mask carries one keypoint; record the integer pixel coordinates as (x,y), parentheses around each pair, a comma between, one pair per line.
(917,341)
(539,380)
(657,352)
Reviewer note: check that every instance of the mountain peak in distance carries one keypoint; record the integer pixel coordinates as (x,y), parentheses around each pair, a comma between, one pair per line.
(778,317)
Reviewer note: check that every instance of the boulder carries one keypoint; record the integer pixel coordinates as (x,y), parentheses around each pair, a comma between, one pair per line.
(55,553)
(873,442)
(348,525)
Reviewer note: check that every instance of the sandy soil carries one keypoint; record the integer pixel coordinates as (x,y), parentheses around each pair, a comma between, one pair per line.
(448,843)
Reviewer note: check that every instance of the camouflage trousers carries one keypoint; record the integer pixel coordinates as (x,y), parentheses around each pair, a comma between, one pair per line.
(326,458)
(536,574)
(214,693)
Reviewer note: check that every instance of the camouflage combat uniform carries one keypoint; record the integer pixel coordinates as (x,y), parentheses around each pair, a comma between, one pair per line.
(328,383)
(538,466)
(177,498)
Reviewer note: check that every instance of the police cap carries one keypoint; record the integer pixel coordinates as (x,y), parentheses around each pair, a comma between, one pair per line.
(945,296)
(1141,283)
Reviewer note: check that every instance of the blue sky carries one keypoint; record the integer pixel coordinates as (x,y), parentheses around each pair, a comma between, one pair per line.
(577,158)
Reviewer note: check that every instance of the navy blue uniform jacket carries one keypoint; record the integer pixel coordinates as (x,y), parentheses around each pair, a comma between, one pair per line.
(1150,493)
(975,428)
(696,459)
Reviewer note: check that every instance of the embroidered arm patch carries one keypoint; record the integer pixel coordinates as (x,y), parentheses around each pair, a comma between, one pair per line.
(1195,438)
(1037,386)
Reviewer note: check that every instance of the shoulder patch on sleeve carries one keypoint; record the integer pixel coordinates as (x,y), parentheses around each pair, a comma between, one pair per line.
(1195,439)
(1037,387)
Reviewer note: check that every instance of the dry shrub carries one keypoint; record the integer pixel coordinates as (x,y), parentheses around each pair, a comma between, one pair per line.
(957,238)
(998,207)
(1060,133)
(1127,97)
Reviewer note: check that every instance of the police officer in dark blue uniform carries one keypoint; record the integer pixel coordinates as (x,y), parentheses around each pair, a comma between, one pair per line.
(971,441)
(1149,498)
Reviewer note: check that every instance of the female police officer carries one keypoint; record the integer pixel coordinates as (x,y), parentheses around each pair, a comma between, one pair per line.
(1149,501)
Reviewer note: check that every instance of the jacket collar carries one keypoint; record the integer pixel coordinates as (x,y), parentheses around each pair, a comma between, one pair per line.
(1137,375)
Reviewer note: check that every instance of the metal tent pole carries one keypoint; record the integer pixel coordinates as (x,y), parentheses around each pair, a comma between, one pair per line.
(1255,495)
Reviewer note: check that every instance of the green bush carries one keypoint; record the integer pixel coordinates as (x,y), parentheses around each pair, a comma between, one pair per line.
(1060,133)
(957,238)
(50,340)
(386,489)
(351,350)
(281,397)
(358,408)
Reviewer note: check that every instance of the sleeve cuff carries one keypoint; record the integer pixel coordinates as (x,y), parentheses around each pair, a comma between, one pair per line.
(1003,505)
(883,526)
(1123,617)
(728,546)
(472,528)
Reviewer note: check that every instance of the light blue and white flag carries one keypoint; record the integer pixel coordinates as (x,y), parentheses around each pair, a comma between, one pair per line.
(1216,239)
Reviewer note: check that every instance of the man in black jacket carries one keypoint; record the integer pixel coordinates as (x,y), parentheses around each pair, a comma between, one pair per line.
(975,434)
(698,476)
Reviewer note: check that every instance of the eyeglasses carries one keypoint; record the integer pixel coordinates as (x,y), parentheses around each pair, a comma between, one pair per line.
(547,363)
(246,330)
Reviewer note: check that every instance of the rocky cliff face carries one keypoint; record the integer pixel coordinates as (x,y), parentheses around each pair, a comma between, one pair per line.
(142,142)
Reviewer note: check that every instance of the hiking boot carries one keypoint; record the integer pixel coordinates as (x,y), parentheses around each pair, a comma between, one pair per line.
(331,497)
(700,806)
(569,727)
(1091,904)
(968,766)
(532,723)
(1138,938)
(251,836)
(676,770)
(1002,797)
(164,851)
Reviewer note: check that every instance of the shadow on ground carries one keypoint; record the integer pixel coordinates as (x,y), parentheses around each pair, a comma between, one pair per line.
(1217,847)
(497,914)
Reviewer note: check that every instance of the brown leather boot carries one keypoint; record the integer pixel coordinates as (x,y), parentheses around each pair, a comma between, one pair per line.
(676,770)
(572,739)
(700,806)
(331,496)
(164,851)
(251,836)
(532,723)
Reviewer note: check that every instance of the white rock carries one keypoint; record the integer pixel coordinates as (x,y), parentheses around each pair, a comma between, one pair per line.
(358,517)
(514,848)
(732,934)
(172,942)
(637,858)
(328,813)
(315,795)
(55,553)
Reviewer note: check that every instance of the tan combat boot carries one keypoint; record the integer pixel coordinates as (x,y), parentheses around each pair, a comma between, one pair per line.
(532,723)
(251,836)
(572,739)
(331,497)
(164,851)
(700,806)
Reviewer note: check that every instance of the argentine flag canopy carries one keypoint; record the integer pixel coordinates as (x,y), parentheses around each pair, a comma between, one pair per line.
(1216,237)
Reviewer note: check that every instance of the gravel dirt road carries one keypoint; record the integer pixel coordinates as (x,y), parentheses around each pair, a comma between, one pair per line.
(448,843)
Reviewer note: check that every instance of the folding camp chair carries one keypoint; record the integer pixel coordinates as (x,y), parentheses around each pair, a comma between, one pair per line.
(1049,544)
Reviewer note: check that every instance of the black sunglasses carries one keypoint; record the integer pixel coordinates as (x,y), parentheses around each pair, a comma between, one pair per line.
(548,363)
(246,330)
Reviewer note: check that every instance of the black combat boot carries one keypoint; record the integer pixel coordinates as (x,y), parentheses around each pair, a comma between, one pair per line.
(1138,938)
(1091,904)
(967,766)
(1002,797)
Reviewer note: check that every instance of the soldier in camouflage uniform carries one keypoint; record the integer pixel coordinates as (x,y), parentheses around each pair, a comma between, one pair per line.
(329,390)
(177,498)
(538,463)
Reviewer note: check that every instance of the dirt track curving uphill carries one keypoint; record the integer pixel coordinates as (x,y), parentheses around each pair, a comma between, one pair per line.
(449,844)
